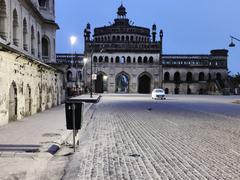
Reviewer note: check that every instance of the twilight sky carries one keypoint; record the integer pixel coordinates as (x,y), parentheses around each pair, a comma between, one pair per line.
(190,26)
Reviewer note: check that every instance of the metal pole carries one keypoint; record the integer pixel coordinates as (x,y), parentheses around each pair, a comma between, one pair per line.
(160,60)
(74,127)
(91,83)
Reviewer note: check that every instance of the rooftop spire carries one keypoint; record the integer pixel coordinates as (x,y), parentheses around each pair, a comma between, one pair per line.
(122,11)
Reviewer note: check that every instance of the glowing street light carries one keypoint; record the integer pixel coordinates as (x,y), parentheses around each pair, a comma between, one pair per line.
(73,40)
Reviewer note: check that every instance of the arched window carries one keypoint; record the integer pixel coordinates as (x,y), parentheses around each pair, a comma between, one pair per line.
(131,38)
(134,60)
(100,59)
(113,38)
(145,60)
(3,20)
(177,77)
(127,38)
(69,76)
(201,76)
(151,60)
(122,38)
(15,28)
(122,60)
(117,59)
(128,59)
(95,59)
(32,41)
(38,44)
(189,77)
(111,59)
(25,32)
(139,59)
(118,38)
(166,76)
(45,48)
(43,3)
(106,59)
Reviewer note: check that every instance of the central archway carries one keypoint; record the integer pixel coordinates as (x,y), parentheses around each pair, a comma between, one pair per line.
(122,83)
(144,84)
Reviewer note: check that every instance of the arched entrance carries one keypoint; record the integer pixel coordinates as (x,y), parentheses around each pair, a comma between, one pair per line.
(39,98)
(166,90)
(12,102)
(144,84)
(176,90)
(99,84)
(28,101)
(122,83)
(218,76)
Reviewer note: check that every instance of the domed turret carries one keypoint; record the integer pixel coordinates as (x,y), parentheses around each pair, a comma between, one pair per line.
(154,32)
(121,12)
(87,32)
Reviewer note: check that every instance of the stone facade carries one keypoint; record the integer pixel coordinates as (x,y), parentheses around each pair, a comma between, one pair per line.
(27,42)
(128,59)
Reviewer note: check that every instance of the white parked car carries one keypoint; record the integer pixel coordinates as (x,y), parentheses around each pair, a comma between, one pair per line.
(158,94)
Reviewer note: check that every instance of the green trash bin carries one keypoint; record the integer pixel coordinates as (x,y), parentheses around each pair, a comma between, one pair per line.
(78,114)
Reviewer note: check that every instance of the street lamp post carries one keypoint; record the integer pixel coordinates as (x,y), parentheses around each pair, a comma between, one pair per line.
(91,72)
(160,83)
(233,38)
(73,40)
(232,43)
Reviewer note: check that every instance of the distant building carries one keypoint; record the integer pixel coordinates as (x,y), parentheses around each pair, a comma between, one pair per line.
(72,67)
(27,42)
(128,59)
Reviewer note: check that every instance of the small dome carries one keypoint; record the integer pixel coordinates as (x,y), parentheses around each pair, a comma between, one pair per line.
(154,27)
(121,11)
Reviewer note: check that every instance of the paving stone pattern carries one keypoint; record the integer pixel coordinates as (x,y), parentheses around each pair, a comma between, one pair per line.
(136,139)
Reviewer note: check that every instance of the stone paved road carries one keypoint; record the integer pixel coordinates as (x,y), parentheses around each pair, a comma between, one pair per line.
(139,138)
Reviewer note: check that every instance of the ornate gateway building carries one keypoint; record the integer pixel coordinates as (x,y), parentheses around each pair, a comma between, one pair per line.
(128,59)
(27,43)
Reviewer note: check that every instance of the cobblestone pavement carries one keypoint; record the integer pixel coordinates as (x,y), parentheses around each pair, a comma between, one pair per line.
(139,138)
